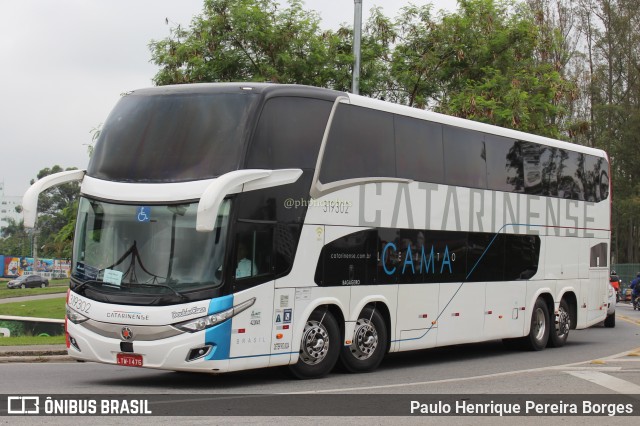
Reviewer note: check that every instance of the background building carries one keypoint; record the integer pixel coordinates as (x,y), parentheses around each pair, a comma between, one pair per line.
(8,206)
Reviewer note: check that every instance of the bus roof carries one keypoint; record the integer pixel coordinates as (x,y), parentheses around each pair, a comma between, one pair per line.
(266,89)
(269,90)
(365,102)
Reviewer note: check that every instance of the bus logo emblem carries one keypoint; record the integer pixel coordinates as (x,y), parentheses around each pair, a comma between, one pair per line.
(126,333)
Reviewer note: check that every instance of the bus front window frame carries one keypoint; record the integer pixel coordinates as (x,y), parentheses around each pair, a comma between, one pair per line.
(161,255)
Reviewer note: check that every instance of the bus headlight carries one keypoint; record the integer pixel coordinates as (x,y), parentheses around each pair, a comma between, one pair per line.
(208,321)
(75,317)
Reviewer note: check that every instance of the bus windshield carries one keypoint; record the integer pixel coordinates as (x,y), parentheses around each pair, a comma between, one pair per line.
(147,249)
(172,138)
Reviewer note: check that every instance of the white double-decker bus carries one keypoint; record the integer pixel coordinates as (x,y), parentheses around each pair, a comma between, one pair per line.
(224,227)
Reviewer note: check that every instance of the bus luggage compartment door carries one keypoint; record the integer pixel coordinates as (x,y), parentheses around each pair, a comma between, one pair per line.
(282,332)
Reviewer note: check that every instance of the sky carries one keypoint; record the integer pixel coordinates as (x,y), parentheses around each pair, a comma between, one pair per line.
(64,64)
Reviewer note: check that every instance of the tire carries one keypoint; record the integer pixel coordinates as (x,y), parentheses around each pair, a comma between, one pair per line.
(558,335)
(42,285)
(539,332)
(370,342)
(319,346)
(23,286)
(610,320)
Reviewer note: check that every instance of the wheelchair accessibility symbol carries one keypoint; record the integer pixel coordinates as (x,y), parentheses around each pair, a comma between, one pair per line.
(144,214)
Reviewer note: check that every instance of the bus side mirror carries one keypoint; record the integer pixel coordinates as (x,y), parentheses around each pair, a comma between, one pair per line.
(234,182)
(30,198)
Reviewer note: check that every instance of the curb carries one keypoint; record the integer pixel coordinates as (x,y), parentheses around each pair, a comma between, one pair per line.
(35,359)
(35,354)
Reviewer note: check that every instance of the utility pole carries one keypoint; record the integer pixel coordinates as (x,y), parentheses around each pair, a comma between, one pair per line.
(357,35)
(34,249)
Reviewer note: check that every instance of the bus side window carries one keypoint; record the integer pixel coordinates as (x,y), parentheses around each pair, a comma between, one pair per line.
(571,176)
(289,133)
(504,164)
(253,253)
(360,145)
(418,149)
(464,157)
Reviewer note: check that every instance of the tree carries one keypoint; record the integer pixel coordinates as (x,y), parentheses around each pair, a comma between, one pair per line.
(56,212)
(258,40)
(480,63)
(14,239)
(248,40)
(612,85)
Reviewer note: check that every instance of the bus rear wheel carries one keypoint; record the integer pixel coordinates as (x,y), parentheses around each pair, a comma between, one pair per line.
(539,332)
(369,343)
(558,335)
(319,346)
(610,320)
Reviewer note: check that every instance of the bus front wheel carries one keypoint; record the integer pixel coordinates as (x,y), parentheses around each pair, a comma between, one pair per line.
(319,346)
(368,344)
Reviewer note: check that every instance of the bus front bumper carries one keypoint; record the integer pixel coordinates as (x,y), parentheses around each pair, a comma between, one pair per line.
(183,352)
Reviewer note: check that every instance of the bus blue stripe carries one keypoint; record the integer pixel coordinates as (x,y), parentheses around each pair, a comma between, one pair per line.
(220,335)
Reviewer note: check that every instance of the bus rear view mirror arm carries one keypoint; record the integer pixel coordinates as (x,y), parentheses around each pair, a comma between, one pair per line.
(234,182)
(30,199)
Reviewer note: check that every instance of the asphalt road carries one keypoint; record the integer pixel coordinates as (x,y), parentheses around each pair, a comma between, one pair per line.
(595,361)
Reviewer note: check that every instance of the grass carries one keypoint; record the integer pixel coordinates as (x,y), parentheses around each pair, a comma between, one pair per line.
(31,340)
(55,286)
(45,308)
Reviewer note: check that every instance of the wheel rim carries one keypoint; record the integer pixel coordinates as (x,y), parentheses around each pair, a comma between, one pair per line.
(539,324)
(315,343)
(563,323)
(365,339)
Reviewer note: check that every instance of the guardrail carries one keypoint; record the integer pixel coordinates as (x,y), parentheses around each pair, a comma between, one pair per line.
(31,326)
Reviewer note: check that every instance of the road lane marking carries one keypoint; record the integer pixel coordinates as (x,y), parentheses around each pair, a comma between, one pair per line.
(607,381)
(629,320)
(462,379)
(612,369)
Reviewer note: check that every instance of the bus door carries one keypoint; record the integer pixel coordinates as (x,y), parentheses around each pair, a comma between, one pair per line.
(294,292)
(598,279)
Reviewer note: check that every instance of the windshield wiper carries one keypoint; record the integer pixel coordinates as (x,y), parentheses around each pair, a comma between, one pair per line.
(82,284)
(77,287)
(176,292)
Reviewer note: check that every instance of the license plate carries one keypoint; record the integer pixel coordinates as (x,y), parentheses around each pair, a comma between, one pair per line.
(129,360)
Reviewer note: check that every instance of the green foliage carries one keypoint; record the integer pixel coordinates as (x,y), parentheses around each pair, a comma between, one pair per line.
(612,92)
(15,328)
(247,40)
(45,308)
(57,209)
(63,239)
(479,63)
(95,134)
(55,224)
(32,340)
(258,40)
(14,239)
